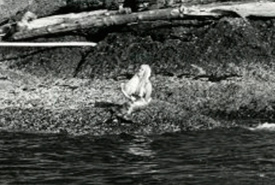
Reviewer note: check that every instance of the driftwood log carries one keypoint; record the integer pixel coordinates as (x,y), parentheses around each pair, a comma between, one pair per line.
(104,18)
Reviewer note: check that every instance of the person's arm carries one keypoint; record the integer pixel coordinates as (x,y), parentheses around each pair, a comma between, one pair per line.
(123,91)
(148,92)
(130,97)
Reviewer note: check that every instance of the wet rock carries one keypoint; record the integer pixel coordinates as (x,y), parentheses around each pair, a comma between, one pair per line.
(159,117)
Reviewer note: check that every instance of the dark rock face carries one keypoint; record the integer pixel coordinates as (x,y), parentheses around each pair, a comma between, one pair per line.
(52,60)
(60,62)
(216,47)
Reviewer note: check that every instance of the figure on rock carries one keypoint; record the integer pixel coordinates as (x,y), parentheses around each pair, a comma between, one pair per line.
(138,90)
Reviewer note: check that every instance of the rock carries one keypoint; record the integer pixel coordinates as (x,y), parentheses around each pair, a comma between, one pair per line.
(9,8)
(57,61)
(159,117)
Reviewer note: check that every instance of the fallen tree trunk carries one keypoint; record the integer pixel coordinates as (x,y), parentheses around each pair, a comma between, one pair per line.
(104,18)
(73,22)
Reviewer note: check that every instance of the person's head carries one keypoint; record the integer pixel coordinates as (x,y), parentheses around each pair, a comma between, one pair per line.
(144,71)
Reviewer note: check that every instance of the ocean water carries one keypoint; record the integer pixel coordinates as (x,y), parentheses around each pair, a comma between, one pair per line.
(220,156)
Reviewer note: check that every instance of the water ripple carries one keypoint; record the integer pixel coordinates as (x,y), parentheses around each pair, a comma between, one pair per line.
(219,156)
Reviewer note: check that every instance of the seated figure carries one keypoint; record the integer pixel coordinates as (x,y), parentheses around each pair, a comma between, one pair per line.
(138,89)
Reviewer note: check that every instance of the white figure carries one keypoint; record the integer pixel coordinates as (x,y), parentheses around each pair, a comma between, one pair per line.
(138,89)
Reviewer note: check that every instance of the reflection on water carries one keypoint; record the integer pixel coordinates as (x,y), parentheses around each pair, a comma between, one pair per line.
(220,156)
(140,146)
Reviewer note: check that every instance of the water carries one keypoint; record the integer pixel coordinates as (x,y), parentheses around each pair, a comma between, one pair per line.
(221,156)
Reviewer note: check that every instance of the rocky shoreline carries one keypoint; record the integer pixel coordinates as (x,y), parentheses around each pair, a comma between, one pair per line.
(78,106)
(88,106)
(207,73)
